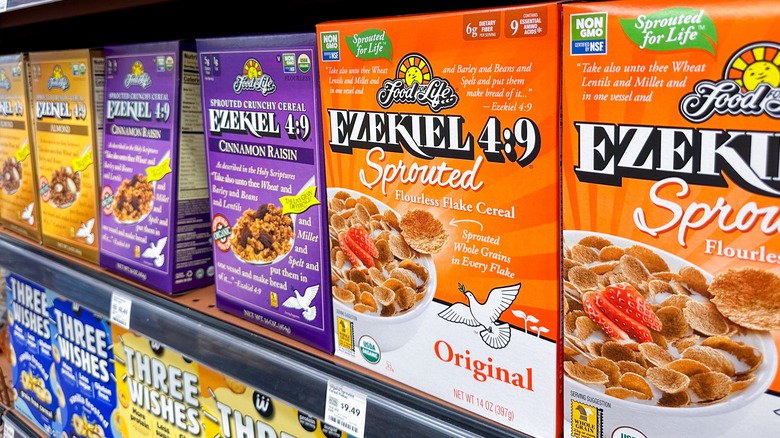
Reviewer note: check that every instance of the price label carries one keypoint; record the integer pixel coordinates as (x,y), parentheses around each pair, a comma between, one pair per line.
(8,430)
(345,408)
(120,310)
(3,8)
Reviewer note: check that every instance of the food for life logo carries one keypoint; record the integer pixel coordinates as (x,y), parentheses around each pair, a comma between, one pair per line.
(589,33)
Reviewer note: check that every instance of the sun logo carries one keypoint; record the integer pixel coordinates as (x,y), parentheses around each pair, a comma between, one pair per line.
(137,69)
(414,68)
(755,64)
(57,73)
(252,69)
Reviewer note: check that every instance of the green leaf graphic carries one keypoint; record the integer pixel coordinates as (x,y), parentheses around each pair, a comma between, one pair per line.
(672,29)
(370,44)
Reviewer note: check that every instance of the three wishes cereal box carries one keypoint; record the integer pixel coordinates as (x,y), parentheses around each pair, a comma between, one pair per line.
(233,409)
(670,218)
(442,166)
(261,107)
(32,363)
(67,100)
(154,191)
(158,389)
(19,210)
(84,381)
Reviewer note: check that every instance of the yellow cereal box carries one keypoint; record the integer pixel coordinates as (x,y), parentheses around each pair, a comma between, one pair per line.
(67,100)
(19,211)
(158,390)
(233,409)
(670,218)
(442,167)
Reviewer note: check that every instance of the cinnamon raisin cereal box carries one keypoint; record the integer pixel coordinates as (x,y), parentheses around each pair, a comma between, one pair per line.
(442,166)
(67,100)
(19,210)
(233,409)
(670,219)
(154,195)
(261,106)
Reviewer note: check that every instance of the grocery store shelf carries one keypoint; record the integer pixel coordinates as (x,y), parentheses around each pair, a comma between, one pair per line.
(294,374)
(17,427)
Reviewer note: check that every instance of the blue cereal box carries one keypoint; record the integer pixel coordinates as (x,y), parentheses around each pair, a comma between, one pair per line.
(32,364)
(84,369)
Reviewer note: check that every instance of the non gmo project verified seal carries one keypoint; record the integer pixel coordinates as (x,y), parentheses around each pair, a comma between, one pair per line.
(585,420)
(589,34)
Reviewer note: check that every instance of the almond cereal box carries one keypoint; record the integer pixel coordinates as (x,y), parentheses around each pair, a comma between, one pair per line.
(67,99)
(158,390)
(670,218)
(83,381)
(233,409)
(19,210)
(442,169)
(261,106)
(154,191)
(32,364)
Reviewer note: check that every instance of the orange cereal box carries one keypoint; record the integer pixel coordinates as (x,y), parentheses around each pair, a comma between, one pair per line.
(19,210)
(233,409)
(670,218)
(442,167)
(67,102)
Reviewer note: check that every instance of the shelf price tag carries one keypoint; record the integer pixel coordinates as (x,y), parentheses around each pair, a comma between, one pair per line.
(120,310)
(3,8)
(345,408)
(8,430)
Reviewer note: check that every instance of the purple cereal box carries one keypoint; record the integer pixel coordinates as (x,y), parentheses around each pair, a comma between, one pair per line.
(154,197)
(268,215)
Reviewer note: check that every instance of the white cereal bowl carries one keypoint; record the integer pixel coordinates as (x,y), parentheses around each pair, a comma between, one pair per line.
(646,412)
(388,332)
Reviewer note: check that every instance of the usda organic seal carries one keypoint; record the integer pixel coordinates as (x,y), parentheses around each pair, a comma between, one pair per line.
(369,349)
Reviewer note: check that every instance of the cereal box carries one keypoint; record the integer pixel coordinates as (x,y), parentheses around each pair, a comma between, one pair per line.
(268,216)
(154,194)
(670,218)
(84,381)
(19,211)
(233,409)
(32,365)
(158,390)
(442,167)
(67,99)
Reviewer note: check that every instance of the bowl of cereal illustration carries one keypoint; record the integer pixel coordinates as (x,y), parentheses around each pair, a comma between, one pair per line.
(64,187)
(651,333)
(263,235)
(382,267)
(12,175)
(133,200)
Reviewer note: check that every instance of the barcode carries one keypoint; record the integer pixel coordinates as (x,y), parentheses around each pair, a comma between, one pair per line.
(343,424)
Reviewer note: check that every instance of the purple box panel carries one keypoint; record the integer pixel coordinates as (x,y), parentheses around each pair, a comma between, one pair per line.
(261,111)
(154,199)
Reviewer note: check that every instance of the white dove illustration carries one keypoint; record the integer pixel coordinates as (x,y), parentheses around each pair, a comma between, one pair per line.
(475,314)
(85,231)
(304,301)
(27,214)
(155,252)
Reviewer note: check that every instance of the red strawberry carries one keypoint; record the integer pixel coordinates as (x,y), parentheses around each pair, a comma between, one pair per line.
(626,298)
(627,324)
(353,258)
(358,237)
(609,327)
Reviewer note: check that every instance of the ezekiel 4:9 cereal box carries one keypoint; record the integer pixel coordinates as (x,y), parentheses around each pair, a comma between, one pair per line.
(442,166)
(670,219)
